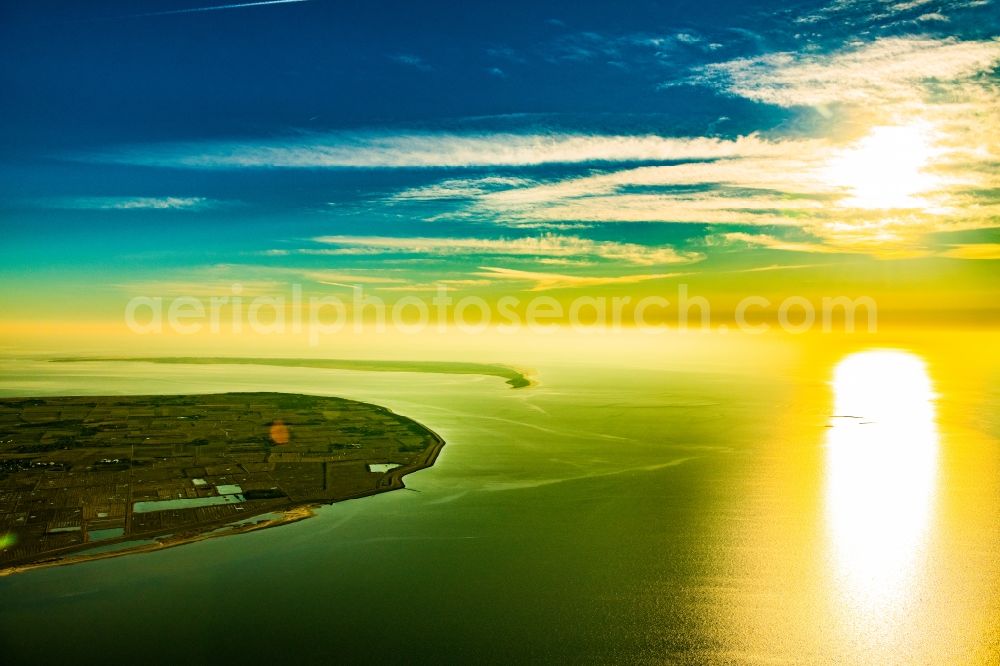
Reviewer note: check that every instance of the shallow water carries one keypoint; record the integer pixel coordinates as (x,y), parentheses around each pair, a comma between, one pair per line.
(643,512)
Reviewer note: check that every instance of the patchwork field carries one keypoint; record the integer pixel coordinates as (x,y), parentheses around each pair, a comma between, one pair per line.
(84,474)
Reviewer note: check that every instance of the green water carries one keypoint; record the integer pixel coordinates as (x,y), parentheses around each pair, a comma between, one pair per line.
(633,515)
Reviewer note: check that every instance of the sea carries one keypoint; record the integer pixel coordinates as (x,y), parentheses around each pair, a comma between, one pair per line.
(706,501)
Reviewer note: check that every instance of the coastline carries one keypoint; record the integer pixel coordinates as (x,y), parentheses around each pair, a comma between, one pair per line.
(391,480)
(516,378)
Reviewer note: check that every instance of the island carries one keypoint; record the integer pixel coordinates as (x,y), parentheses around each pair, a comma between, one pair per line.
(514,378)
(96,476)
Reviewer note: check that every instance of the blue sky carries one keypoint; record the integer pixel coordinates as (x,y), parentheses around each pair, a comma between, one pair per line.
(485,145)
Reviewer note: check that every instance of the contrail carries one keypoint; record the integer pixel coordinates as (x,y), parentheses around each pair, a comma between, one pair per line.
(216,8)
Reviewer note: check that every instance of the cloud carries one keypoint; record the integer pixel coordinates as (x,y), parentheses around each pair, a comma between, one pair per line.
(776,267)
(437,285)
(779,189)
(922,158)
(133,203)
(624,51)
(865,187)
(973,251)
(546,281)
(204,288)
(874,15)
(411,60)
(506,53)
(460,188)
(344,278)
(545,245)
(862,243)
(215,8)
(432,149)
(266,280)
(740,191)
(771,242)
(880,193)
(888,70)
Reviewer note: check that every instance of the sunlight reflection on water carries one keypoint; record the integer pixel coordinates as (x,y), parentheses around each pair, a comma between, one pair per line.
(881,478)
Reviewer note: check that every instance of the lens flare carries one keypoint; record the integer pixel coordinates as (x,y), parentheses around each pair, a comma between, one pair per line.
(279,432)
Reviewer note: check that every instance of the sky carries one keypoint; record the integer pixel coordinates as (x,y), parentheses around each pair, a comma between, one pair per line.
(845,148)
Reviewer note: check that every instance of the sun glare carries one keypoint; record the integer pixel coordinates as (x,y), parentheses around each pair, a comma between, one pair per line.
(881,468)
(887,168)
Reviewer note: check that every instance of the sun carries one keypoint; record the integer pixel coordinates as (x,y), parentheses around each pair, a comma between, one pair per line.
(887,168)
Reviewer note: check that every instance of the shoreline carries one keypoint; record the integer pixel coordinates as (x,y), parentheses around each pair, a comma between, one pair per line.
(392,480)
(514,377)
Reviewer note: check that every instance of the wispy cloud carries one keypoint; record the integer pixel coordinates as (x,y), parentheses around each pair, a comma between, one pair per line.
(132,203)
(216,8)
(939,90)
(432,149)
(771,242)
(410,60)
(973,251)
(885,71)
(883,14)
(348,278)
(461,188)
(879,194)
(888,246)
(543,281)
(624,51)
(738,191)
(776,267)
(545,245)
(204,288)
(437,285)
